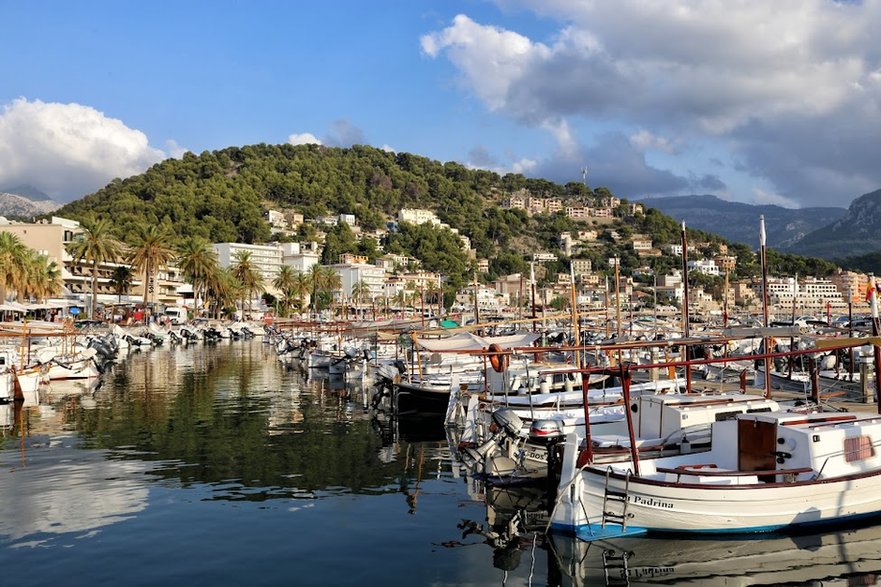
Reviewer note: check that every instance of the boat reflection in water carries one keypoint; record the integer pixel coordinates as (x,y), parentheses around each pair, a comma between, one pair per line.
(516,518)
(852,554)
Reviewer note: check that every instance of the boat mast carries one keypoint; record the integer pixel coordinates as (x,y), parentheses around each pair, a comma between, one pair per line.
(764,261)
(876,329)
(686,327)
(576,330)
(532,288)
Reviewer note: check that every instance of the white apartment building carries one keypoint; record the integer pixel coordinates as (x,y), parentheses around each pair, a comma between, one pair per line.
(578,212)
(581,266)
(488,299)
(566,243)
(390,261)
(418,216)
(352,273)
(266,258)
(300,256)
(642,244)
(705,266)
(276,219)
(810,296)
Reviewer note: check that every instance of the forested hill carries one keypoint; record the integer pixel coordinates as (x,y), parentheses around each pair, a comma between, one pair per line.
(222,195)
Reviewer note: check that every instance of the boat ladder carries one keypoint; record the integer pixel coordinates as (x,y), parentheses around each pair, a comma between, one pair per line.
(616,499)
(615,567)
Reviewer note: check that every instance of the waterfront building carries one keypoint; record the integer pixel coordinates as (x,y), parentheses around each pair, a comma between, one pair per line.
(300,256)
(352,273)
(851,284)
(265,258)
(810,296)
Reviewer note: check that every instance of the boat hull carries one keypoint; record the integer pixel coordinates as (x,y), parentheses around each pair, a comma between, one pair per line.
(735,504)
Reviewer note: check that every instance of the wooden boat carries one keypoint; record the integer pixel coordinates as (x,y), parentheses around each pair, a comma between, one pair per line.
(666,424)
(765,471)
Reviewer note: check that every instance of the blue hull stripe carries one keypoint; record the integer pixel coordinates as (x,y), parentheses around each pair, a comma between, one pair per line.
(589,532)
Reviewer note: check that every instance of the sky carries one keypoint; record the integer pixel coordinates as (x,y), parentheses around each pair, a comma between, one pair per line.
(757,101)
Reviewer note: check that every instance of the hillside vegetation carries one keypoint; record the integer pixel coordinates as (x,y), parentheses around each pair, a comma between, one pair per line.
(222,196)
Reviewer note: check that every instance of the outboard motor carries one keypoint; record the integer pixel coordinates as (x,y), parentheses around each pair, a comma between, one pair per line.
(102,349)
(548,434)
(506,425)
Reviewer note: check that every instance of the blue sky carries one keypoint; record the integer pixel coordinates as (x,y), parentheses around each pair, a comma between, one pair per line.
(767,102)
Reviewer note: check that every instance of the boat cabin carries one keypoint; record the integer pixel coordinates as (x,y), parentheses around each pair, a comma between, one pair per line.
(678,423)
(828,444)
(658,416)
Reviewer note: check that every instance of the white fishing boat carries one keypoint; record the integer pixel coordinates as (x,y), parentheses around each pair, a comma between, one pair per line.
(29,377)
(77,365)
(665,424)
(764,471)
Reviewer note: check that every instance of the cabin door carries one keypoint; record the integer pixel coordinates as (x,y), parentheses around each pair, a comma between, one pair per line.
(756,442)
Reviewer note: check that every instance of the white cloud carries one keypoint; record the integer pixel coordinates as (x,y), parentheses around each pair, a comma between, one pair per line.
(644,140)
(68,150)
(761,196)
(344,134)
(789,85)
(524,166)
(175,150)
(305,138)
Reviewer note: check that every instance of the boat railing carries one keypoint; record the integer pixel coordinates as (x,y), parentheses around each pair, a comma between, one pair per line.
(711,471)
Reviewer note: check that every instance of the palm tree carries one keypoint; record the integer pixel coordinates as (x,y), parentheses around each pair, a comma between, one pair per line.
(400,300)
(221,288)
(248,276)
(152,251)
(96,245)
(360,291)
(12,258)
(434,293)
(321,279)
(332,284)
(284,282)
(42,277)
(301,288)
(198,263)
(121,280)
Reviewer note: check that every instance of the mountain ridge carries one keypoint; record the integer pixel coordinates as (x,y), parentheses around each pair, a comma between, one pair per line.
(856,233)
(739,222)
(14,205)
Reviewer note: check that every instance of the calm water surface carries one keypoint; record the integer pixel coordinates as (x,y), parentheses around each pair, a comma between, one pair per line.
(216,464)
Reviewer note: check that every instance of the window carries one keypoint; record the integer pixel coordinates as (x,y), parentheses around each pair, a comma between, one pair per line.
(858,448)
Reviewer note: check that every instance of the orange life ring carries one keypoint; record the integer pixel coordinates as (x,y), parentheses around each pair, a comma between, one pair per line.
(497,358)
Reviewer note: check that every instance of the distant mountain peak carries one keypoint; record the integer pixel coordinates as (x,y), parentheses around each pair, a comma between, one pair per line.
(27,191)
(18,206)
(856,233)
(739,222)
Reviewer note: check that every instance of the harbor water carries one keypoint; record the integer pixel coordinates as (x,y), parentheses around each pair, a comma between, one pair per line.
(218,464)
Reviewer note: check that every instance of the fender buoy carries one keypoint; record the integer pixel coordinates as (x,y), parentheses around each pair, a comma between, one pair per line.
(497,358)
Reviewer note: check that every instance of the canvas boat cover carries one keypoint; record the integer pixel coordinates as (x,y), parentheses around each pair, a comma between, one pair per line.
(466,341)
